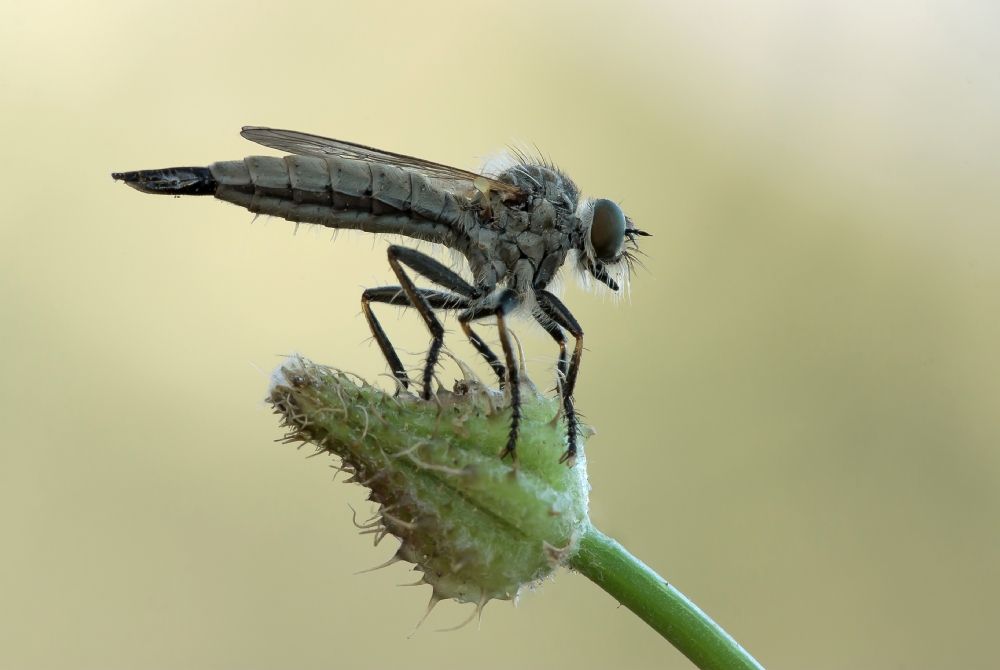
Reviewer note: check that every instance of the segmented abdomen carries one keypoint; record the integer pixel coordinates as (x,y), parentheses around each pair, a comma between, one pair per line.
(341,193)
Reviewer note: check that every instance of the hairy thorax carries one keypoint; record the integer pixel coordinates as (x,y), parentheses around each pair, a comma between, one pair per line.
(522,243)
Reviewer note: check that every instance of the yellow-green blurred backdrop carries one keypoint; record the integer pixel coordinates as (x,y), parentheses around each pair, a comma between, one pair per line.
(796,410)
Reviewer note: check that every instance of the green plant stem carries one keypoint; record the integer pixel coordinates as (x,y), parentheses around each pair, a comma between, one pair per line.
(634,585)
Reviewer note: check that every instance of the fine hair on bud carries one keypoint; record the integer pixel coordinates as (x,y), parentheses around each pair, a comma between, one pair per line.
(478,527)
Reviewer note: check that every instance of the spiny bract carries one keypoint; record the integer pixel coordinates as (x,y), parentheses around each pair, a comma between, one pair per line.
(478,527)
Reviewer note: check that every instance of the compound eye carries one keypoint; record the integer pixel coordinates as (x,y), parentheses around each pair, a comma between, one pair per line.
(608,230)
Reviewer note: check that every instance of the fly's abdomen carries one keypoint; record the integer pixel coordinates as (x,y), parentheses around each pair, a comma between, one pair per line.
(337,192)
(330,191)
(170,181)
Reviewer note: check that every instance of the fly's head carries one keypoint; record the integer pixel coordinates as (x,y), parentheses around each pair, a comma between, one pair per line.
(607,246)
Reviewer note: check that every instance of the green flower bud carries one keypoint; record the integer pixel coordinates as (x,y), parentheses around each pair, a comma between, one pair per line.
(479,528)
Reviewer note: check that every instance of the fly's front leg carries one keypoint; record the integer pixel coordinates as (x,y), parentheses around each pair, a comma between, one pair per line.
(560,317)
(557,334)
(501,306)
(572,424)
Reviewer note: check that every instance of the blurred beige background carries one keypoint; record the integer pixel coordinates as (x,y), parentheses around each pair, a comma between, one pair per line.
(796,411)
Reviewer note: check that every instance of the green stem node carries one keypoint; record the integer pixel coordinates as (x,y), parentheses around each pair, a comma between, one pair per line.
(664,608)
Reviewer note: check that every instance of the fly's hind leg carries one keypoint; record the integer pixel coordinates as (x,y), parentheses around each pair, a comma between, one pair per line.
(395,295)
(430,268)
(426,301)
(558,317)
(449,279)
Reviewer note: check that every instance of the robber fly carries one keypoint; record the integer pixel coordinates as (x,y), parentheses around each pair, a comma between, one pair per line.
(516,225)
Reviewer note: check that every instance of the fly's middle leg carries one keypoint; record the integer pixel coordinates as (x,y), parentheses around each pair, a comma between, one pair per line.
(487,353)
(506,305)
(501,305)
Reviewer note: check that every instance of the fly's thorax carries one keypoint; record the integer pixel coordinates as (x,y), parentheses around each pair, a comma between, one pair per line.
(520,256)
(522,243)
(543,180)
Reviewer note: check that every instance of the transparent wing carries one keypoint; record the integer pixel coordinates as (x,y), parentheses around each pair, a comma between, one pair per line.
(305,144)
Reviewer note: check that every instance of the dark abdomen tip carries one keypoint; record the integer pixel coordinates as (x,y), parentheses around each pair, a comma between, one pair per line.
(170,181)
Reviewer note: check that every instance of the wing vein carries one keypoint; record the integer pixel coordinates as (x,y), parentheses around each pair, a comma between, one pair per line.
(307,144)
